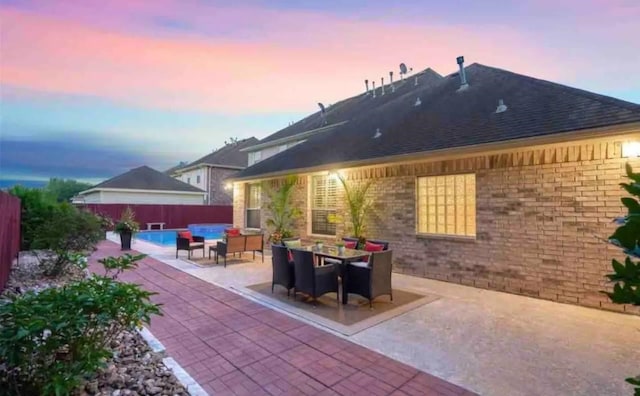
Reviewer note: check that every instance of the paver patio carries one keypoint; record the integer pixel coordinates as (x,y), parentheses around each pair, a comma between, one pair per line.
(234,346)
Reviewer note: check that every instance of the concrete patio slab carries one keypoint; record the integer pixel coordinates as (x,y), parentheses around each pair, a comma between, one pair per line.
(493,343)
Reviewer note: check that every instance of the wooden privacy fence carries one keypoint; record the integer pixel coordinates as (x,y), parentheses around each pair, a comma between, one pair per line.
(174,216)
(9,234)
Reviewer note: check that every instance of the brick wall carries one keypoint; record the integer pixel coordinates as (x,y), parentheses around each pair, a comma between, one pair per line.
(218,195)
(541,216)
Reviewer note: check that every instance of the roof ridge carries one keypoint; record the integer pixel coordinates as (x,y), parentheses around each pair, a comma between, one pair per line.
(609,100)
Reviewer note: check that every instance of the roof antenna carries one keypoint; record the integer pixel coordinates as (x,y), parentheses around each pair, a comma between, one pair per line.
(374,88)
(463,77)
(393,88)
(382,85)
(403,71)
(322,113)
(366,84)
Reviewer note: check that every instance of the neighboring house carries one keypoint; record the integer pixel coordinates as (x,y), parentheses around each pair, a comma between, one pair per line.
(142,185)
(209,172)
(508,183)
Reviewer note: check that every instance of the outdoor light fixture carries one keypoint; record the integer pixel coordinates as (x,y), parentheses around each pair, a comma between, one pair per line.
(228,186)
(630,149)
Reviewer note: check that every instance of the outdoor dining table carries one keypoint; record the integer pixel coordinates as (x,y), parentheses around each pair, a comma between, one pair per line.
(332,252)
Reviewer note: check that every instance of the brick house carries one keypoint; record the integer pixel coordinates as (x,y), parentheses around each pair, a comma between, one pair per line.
(507,182)
(209,172)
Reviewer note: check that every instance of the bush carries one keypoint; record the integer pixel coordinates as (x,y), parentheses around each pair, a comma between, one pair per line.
(66,230)
(51,341)
(626,275)
(37,207)
(127,222)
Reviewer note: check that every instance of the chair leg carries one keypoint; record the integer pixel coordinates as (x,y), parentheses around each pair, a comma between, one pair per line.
(288,292)
(225,261)
(189,254)
(391,295)
(176,253)
(272,284)
(370,304)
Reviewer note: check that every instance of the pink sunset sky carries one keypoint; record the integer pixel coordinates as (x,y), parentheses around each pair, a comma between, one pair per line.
(155,82)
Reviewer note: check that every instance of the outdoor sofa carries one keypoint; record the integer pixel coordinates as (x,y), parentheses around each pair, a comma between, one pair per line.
(240,244)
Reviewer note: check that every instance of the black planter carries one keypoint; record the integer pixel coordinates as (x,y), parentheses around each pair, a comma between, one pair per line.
(125,241)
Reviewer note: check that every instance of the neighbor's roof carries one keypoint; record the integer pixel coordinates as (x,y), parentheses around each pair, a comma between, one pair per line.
(145,178)
(173,169)
(448,119)
(227,156)
(349,108)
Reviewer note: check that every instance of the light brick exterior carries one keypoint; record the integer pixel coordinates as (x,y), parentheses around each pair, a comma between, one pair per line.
(542,214)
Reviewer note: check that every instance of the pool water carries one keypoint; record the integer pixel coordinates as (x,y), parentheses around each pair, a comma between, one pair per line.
(168,237)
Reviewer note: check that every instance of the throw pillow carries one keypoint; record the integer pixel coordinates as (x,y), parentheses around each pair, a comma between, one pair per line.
(293,243)
(186,235)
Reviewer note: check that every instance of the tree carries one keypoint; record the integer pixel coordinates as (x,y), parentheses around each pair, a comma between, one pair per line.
(626,276)
(65,189)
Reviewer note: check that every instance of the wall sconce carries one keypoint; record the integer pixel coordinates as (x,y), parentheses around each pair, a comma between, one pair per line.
(228,186)
(335,175)
(630,149)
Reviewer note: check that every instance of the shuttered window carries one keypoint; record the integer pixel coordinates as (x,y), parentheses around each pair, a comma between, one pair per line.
(447,205)
(254,200)
(323,204)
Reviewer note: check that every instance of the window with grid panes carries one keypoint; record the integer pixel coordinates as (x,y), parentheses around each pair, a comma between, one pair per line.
(447,205)
(254,200)
(323,204)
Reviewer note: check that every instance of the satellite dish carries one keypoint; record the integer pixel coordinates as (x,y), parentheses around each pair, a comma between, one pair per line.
(403,68)
(321,107)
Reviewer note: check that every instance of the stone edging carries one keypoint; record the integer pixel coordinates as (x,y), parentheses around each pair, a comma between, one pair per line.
(185,379)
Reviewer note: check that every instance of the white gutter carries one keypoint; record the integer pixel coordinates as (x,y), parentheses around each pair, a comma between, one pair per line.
(192,167)
(141,190)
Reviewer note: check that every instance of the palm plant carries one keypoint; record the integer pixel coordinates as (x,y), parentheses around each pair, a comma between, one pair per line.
(358,205)
(283,212)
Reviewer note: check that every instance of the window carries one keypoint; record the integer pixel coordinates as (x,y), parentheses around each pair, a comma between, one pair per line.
(188,180)
(447,205)
(198,179)
(254,156)
(323,204)
(254,199)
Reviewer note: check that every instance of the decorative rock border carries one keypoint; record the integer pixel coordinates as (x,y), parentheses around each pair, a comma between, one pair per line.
(185,379)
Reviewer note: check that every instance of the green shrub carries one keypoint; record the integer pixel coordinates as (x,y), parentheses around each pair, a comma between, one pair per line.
(37,207)
(66,230)
(626,276)
(51,341)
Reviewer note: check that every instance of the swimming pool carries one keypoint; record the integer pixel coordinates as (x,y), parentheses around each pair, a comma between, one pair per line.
(168,237)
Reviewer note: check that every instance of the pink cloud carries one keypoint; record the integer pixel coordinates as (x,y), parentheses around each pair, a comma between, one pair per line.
(289,61)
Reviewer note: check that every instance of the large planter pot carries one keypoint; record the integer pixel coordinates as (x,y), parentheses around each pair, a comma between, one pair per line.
(125,241)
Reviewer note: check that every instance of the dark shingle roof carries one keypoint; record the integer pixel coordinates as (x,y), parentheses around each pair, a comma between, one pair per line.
(229,155)
(173,169)
(146,178)
(450,119)
(347,109)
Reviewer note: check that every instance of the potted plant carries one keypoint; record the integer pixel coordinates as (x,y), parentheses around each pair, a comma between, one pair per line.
(358,205)
(280,205)
(341,248)
(126,227)
(319,245)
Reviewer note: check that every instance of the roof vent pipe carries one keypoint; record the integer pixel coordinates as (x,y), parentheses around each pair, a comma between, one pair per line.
(382,85)
(366,84)
(501,106)
(463,77)
(393,88)
(416,81)
(374,88)
(418,102)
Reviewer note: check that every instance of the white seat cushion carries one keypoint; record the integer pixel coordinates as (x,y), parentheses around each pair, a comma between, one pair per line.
(331,261)
(361,264)
(196,244)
